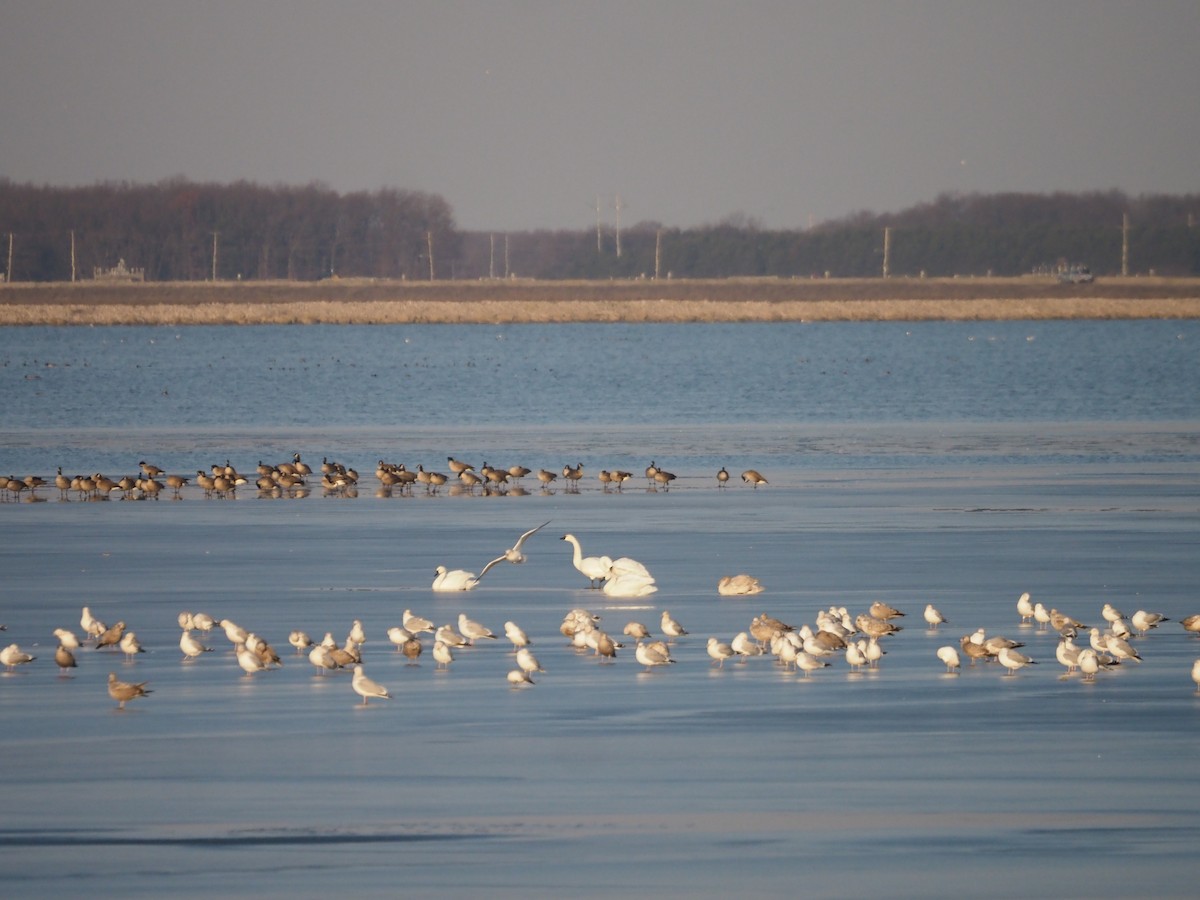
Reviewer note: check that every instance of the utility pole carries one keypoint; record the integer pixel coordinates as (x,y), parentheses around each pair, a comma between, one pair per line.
(72,255)
(429,245)
(507,272)
(599,240)
(617,206)
(8,277)
(887,250)
(657,253)
(214,256)
(1125,245)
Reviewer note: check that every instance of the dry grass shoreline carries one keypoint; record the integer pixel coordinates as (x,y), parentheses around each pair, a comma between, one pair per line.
(367,301)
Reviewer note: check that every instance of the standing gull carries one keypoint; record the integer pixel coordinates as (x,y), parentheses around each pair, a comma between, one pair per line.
(933,616)
(13,656)
(64,658)
(124,691)
(514,633)
(719,651)
(366,687)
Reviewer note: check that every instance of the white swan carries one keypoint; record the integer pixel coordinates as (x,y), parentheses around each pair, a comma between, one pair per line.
(454,580)
(594,568)
(628,584)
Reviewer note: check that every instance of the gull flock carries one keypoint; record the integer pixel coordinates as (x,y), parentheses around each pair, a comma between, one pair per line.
(836,636)
(296,479)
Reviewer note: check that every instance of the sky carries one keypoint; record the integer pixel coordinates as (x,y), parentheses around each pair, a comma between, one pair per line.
(528,115)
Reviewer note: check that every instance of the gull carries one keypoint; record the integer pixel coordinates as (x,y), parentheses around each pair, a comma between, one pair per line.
(130,645)
(1089,664)
(454,580)
(191,647)
(670,627)
(416,624)
(111,636)
(64,658)
(472,630)
(719,651)
(1098,641)
(636,630)
(1068,654)
(1060,621)
(1121,648)
(399,636)
(412,649)
(1012,660)
(873,627)
(1120,629)
(356,633)
(234,632)
(448,636)
(855,657)
(744,646)
(1025,608)
(527,662)
(1143,621)
(300,641)
(809,663)
(880,610)
(203,622)
(517,677)
(67,638)
(873,651)
(320,657)
(1041,615)
(738,585)
(594,568)
(933,617)
(443,655)
(1196,674)
(785,651)
(346,655)
(250,661)
(185,621)
(1191,624)
(513,554)
(651,656)
(1111,613)
(91,626)
(513,632)
(124,691)
(753,478)
(605,646)
(949,656)
(366,687)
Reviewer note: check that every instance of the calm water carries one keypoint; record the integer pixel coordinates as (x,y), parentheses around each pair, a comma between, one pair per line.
(958,464)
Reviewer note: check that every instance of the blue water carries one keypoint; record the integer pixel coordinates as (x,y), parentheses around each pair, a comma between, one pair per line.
(953,463)
(803,395)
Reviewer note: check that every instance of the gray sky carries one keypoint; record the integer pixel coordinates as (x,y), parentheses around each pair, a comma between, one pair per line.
(520,113)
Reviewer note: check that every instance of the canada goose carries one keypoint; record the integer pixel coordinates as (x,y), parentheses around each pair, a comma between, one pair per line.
(457,466)
(664,478)
(176,482)
(573,475)
(302,468)
(63,483)
(617,477)
(753,478)
(517,472)
(123,691)
(605,478)
(651,471)
(546,477)
(469,479)
(149,470)
(722,477)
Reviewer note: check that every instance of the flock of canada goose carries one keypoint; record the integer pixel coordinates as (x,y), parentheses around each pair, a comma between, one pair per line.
(296,478)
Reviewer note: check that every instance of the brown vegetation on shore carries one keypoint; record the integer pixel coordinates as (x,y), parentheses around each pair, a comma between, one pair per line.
(367,301)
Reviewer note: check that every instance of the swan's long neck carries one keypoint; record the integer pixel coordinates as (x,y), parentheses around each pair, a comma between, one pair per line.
(577,558)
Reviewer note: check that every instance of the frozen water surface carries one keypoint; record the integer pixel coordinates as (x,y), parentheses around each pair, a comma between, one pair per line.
(603,778)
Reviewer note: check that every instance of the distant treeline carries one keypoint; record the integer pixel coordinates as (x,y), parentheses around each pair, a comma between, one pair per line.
(178,230)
